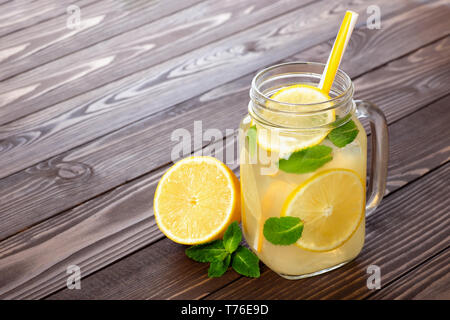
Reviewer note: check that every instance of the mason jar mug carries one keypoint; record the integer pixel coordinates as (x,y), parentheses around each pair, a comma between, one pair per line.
(303,158)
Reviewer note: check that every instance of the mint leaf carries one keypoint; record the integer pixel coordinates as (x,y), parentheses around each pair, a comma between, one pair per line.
(219,267)
(283,231)
(251,137)
(232,237)
(306,160)
(245,262)
(208,252)
(343,135)
(220,253)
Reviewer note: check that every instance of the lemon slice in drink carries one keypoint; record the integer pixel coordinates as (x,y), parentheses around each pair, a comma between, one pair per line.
(251,203)
(294,116)
(196,200)
(331,206)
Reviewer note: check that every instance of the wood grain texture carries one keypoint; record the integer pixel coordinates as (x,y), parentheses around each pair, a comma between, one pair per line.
(76,121)
(51,39)
(414,146)
(104,227)
(379,249)
(109,225)
(400,34)
(408,228)
(131,51)
(429,281)
(19,14)
(131,226)
(127,210)
(78,175)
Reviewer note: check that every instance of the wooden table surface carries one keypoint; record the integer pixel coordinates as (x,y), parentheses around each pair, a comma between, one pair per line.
(87,113)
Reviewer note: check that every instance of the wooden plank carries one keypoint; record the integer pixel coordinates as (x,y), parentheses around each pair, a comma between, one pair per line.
(408,228)
(51,39)
(20,14)
(430,281)
(132,51)
(78,175)
(146,280)
(76,121)
(119,222)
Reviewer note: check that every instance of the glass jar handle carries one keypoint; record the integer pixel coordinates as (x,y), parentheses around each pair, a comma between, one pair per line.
(380,152)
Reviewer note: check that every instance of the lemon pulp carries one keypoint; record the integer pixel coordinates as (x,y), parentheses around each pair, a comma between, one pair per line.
(196,200)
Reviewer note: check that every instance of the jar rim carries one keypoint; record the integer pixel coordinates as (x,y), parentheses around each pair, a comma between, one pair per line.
(255,92)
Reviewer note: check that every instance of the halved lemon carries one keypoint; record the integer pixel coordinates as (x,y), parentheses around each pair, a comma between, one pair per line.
(196,200)
(295,116)
(331,206)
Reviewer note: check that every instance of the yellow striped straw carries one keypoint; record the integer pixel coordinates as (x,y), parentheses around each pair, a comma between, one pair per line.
(334,60)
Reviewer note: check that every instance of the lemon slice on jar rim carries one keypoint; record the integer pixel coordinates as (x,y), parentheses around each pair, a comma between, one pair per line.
(305,97)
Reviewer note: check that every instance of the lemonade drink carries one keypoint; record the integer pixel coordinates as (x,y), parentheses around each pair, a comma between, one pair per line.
(303,154)
(264,196)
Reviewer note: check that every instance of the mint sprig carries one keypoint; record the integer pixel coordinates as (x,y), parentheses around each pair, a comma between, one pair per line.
(246,262)
(306,160)
(221,253)
(219,267)
(283,231)
(232,237)
(208,252)
(343,135)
